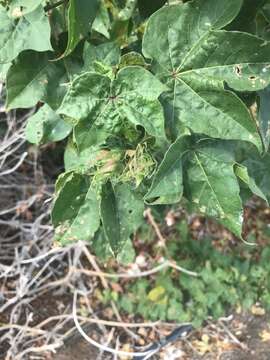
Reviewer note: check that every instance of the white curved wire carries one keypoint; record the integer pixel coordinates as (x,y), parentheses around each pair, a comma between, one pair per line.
(100,346)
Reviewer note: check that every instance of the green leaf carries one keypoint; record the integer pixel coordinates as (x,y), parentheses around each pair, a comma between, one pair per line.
(29,31)
(84,224)
(100,104)
(195,61)
(167,184)
(23,7)
(71,189)
(75,213)
(264,116)
(81,14)
(266,10)
(103,251)
(121,213)
(33,77)
(242,172)
(107,53)
(110,217)
(102,22)
(259,169)
(75,160)
(46,126)
(177,20)
(158,295)
(127,254)
(245,20)
(211,185)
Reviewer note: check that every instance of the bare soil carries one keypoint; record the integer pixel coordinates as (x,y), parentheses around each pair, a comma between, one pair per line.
(78,349)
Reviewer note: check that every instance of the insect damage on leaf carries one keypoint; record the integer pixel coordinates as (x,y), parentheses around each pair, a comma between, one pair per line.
(159,103)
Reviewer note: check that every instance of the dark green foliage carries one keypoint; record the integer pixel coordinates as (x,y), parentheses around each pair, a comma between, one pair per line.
(155,107)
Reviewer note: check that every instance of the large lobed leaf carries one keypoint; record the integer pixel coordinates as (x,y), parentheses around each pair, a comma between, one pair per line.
(99,104)
(194,59)
(203,171)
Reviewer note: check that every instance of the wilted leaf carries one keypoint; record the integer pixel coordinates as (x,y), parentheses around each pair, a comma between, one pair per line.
(203,346)
(257,310)
(265,335)
(132,58)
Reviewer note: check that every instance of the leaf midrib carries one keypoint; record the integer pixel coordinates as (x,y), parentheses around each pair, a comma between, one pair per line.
(219,110)
(221,66)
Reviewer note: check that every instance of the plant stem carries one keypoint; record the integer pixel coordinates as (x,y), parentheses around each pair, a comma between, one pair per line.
(52,6)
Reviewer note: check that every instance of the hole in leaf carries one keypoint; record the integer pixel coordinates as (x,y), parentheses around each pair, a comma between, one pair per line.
(238,70)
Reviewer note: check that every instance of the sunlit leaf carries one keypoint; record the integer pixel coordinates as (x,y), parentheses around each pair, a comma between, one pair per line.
(195,61)
(46,126)
(23,31)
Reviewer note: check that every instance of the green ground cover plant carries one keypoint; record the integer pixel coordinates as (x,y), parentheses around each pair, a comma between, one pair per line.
(157,103)
(228,278)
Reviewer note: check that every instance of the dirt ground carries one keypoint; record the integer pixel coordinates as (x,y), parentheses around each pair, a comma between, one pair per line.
(251,337)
